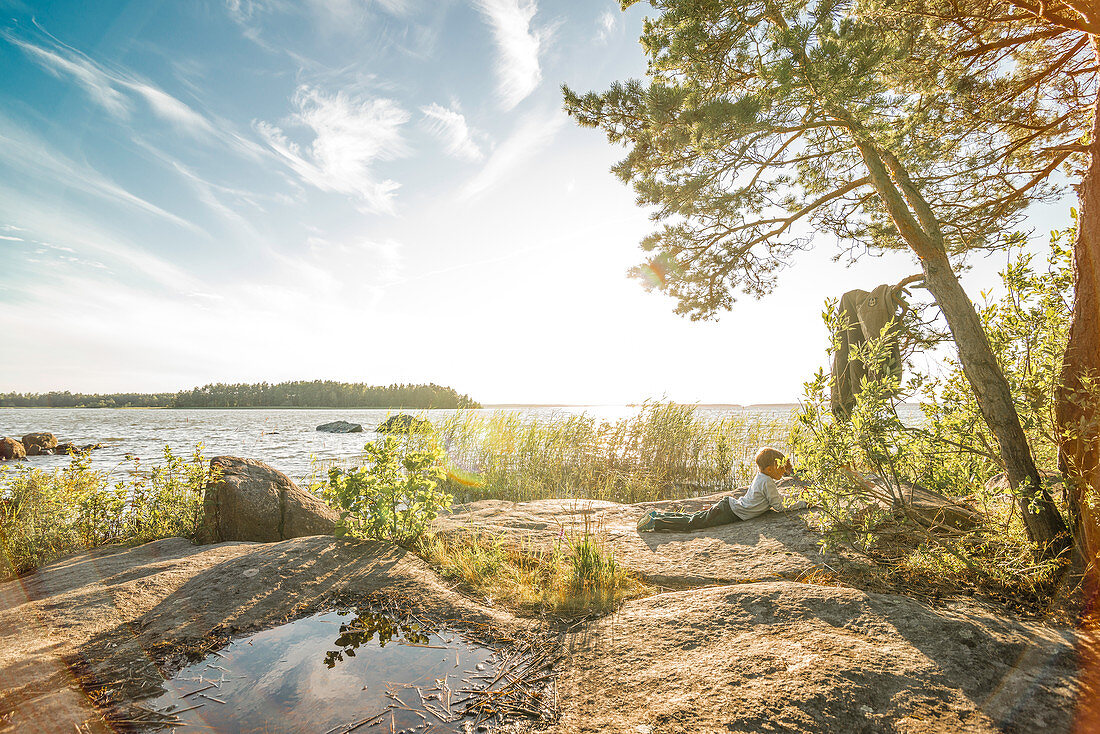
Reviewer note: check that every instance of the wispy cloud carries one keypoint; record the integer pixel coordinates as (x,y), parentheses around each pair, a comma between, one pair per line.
(356,9)
(517,67)
(97,85)
(533,134)
(86,237)
(349,136)
(116,91)
(340,15)
(605,25)
(449,126)
(22,150)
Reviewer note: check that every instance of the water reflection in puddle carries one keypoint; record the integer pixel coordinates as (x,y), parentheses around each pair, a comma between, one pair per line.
(330,673)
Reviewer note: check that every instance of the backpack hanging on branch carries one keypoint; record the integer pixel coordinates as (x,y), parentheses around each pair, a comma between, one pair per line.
(866,315)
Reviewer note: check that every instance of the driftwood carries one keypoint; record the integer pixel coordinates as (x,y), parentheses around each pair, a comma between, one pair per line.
(931,509)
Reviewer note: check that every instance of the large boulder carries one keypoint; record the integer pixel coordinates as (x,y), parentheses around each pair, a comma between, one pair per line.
(340,427)
(404,423)
(39,443)
(11,449)
(251,501)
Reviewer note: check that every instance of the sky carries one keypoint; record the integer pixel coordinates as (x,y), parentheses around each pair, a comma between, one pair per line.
(379,191)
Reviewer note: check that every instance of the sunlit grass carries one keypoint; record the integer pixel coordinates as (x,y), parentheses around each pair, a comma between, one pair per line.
(576,574)
(47,514)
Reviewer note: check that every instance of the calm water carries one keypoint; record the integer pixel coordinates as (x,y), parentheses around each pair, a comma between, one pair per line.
(284,438)
(329,672)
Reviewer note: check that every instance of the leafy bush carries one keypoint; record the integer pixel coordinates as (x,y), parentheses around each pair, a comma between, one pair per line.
(951,450)
(394,496)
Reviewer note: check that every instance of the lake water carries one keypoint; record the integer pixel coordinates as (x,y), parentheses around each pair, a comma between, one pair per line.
(284,438)
(334,673)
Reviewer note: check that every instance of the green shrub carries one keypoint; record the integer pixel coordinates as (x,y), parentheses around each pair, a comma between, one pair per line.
(394,496)
(951,450)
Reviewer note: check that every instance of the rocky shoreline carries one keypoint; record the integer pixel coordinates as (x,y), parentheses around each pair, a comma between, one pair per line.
(754,631)
(39,444)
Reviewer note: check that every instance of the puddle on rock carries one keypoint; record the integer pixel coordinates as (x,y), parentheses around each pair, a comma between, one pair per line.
(331,673)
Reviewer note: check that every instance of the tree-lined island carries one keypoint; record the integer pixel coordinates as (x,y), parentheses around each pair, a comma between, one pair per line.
(297,394)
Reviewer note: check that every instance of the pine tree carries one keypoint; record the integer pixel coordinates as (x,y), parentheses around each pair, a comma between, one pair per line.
(764,120)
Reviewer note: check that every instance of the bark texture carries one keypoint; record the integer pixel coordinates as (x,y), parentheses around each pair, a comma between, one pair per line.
(1076,410)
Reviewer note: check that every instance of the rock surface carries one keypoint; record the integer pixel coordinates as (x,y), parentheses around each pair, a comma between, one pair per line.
(773,656)
(773,546)
(39,443)
(114,614)
(251,501)
(11,449)
(782,657)
(340,427)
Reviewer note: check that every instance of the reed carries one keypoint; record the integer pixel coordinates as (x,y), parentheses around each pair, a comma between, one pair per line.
(665,451)
(47,514)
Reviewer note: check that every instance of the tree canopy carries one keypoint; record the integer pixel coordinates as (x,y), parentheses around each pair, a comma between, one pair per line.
(749,142)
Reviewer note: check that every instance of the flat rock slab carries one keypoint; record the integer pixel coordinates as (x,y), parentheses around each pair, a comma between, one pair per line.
(773,546)
(114,614)
(784,656)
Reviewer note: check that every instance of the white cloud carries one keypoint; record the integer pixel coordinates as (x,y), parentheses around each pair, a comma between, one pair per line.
(86,237)
(449,126)
(24,151)
(356,9)
(604,25)
(534,134)
(517,68)
(349,136)
(104,86)
(115,92)
(96,84)
(168,108)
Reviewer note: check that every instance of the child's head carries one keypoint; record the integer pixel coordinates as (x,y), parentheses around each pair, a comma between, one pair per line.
(772,462)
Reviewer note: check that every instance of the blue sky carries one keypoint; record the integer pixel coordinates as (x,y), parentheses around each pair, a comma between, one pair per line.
(364,190)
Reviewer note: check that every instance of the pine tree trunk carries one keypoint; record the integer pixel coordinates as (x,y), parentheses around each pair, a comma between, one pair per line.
(1044,523)
(1077,413)
(917,225)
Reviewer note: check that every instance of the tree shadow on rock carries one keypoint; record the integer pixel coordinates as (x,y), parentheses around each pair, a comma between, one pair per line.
(272,584)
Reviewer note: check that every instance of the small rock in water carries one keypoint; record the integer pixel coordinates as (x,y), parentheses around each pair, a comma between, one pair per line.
(404,423)
(340,427)
(866,709)
(480,666)
(250,572)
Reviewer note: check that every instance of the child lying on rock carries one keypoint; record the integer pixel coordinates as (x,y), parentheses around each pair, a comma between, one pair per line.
(763,495)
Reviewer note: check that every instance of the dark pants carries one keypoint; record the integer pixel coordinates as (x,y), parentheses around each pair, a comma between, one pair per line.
(719,514)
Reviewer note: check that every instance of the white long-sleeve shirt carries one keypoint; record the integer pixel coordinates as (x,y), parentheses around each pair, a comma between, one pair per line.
(763,495)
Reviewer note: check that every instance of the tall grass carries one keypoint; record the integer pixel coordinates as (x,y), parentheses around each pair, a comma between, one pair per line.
(47,514)
(665,451)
